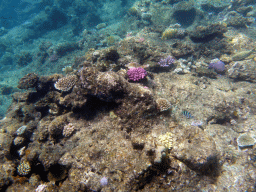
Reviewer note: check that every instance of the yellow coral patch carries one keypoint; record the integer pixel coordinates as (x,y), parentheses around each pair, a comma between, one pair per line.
(166,140)
(169,33)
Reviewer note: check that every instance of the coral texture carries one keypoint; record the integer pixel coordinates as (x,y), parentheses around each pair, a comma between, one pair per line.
(163,104)
(66,83)
(24,168)
(217,65)
(136,74)
(167,62)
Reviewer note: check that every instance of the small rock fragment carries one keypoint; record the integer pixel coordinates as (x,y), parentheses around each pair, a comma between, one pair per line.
(245,140)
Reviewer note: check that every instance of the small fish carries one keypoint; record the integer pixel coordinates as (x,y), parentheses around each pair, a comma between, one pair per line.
(187,114)
(99,44)
(242,55)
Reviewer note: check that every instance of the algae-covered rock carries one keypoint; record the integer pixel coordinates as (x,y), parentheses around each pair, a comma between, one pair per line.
(242,71)
(238,21)
(203,71)
(185,13)
(56,126)
(245,140)
(7,170)
(196,149)
(207,33)
(5,143)
(28,81)
(242,55)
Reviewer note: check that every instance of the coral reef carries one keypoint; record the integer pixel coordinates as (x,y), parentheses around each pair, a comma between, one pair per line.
(167,62)
(86,129)
(166,140)
(68,130)
(110,99)
(169,33)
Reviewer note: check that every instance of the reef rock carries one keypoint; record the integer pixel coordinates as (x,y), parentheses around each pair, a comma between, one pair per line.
(5,143)
(196,149)
(243,71)
(207,33)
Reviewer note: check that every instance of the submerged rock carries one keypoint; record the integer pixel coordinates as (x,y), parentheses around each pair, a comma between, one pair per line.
(242,71)
(242,55)
(245,140)
(185,13)
(207,33)
(5,143)
(196,149)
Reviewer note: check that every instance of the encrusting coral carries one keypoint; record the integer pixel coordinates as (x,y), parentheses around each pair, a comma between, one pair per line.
(68,130)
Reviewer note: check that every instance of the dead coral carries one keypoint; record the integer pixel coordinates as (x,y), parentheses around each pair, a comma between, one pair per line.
(182,49)
(109,84)
(87,76)
(76,99)
(56,126)
(196,149)
(238,21)
(207,33)
(28,81)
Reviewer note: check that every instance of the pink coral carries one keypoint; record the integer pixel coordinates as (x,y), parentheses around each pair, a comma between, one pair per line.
(136,74)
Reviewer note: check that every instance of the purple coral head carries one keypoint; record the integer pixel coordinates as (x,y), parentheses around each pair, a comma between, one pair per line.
(217,65)
(136,73)
(104,181)
(167,62)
